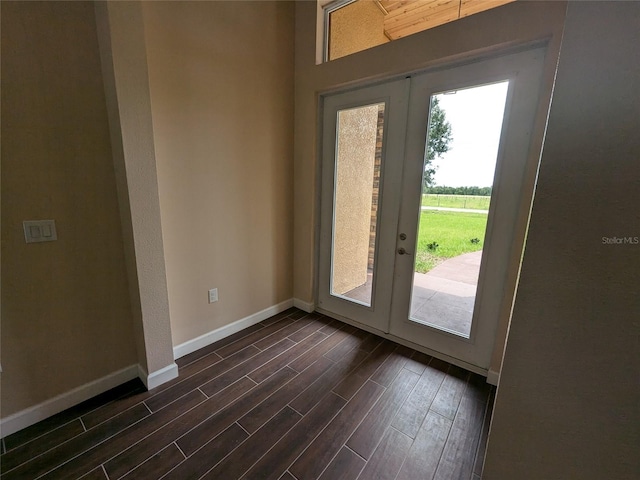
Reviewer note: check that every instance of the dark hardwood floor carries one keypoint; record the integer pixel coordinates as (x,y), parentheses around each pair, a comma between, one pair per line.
(297,396)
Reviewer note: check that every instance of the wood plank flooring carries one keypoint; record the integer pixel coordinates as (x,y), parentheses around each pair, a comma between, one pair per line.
(296,397)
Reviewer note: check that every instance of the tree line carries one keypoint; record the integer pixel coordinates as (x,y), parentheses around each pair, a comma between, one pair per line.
(458,190)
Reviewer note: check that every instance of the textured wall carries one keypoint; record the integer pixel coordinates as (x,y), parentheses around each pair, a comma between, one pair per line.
(356,149)
(221,83)
(66,314)
(567,404)
(356,27)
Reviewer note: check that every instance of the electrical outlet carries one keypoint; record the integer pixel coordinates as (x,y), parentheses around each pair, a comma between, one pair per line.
(213,295)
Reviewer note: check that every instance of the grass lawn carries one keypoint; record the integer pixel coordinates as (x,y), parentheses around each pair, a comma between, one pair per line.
(452,231)
(456,201)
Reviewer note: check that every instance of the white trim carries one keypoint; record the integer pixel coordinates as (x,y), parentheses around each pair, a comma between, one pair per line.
(34,414)
(157,378)
(306,306)
(493,377)
(219,333)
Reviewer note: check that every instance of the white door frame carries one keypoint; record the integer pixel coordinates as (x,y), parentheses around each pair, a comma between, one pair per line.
(386,316)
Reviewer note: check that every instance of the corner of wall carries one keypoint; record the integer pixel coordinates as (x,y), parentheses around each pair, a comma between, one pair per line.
(305,306)
(157,378)
(122,46)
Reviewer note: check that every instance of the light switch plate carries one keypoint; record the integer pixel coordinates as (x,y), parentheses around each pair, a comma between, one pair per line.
(39,231)
(213,295)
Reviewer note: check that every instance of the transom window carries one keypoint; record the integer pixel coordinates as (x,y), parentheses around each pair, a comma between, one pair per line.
(351,26)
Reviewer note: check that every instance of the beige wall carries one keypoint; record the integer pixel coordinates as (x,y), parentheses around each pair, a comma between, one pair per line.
(568,402)
(490,31)
(356,27)
(225,172)
(66,314)
(221,83)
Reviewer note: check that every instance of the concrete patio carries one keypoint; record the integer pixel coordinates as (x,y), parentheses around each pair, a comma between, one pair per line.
(444,297)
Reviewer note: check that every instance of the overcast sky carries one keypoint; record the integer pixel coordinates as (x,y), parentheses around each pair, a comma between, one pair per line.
(475,115)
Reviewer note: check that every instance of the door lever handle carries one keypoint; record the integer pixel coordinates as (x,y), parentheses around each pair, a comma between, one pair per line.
(402,251)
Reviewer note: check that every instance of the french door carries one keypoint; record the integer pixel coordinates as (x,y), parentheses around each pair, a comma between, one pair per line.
(375,143)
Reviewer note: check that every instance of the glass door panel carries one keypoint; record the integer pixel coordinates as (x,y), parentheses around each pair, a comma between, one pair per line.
(459,166)
(360,133)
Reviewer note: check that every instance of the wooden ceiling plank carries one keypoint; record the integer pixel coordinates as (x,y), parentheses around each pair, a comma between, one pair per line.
(390,5)
(448,9)
(410,8)
(423,12)
(469,7)
(407,17)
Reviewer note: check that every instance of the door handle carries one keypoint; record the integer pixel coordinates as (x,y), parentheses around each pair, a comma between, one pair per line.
(402,251)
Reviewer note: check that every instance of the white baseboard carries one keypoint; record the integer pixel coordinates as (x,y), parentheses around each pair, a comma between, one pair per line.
(219,333)
(31,415)
(306,306)
(157,378)
(493,377)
